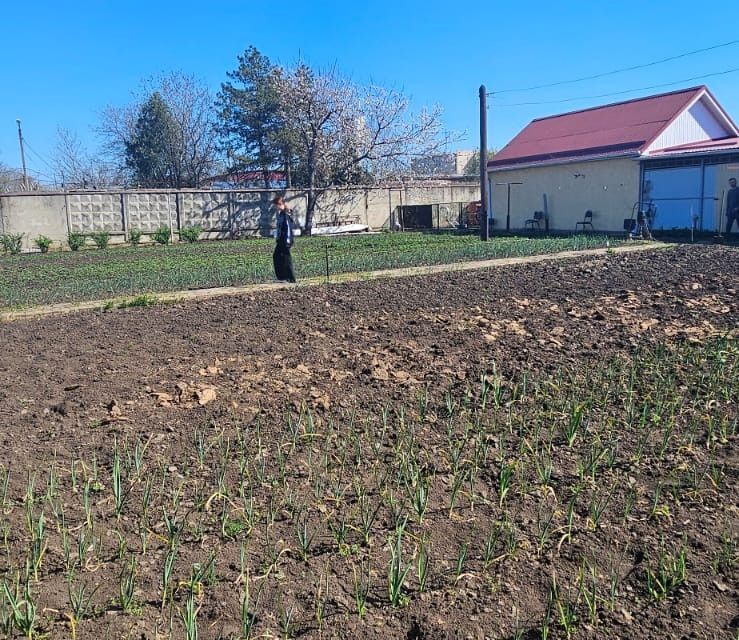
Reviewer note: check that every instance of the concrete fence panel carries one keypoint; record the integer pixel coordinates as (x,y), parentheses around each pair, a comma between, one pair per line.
(95,212)
(208,210)
(339,207)
(33,216)
(221,214)
(148,212)
(251,212)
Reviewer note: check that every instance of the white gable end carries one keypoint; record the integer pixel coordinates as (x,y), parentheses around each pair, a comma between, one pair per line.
(697,123)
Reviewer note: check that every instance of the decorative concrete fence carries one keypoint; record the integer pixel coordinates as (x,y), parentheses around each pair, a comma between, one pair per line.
(224,214)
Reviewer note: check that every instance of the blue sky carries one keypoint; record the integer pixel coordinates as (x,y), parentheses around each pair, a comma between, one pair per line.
(63,62)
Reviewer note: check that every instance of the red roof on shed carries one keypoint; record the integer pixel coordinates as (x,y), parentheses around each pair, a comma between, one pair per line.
(614,129)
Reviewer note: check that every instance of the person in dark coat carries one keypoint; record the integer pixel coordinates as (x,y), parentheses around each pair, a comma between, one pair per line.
(732,206)
(284,236)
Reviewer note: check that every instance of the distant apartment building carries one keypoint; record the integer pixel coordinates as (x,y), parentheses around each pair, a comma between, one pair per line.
(443,164)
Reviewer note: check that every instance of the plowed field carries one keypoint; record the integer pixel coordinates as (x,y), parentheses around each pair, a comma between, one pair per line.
(531,451)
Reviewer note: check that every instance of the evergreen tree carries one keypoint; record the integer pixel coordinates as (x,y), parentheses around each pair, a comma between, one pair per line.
(250,119)
(150,153)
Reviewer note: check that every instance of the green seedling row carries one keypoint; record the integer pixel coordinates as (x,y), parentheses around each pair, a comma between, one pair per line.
(37,279)
(452,490)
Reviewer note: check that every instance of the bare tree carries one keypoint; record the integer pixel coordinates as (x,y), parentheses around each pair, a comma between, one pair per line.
(347,134)
(76,167)
(12,180)
(116,128)
(191,147)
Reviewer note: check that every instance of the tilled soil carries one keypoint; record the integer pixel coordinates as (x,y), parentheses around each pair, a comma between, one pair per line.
(229,371)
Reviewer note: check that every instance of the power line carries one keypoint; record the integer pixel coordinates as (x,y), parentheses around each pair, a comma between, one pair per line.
(32,150)
(617,93)
(615,71)
(41,175)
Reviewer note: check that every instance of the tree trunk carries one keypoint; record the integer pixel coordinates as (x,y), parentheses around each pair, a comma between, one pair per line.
(310,208)
(288,173)
(312,195)
(265,169)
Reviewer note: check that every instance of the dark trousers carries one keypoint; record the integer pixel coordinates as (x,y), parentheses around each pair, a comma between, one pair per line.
(730,218)
(283,263)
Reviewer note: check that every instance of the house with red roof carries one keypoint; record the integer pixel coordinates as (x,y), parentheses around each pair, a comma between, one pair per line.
(671,154)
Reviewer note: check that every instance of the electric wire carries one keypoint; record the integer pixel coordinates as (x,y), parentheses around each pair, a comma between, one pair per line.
(615,93)
(35,173)
(615,71)
(39,174)
(33,151)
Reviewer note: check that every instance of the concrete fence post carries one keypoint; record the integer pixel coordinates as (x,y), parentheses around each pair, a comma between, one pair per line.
(390,210)
(67,215)
(124,215)
(179,209)
(230,212)
(169,216)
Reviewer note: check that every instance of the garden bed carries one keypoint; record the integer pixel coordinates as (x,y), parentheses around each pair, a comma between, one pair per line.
(530,451)
(90,274)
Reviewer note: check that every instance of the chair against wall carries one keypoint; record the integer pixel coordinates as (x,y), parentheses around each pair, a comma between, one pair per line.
(535,221)
(585,222)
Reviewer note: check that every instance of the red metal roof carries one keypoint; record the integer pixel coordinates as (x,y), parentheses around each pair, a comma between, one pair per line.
(622,128)
(703,145)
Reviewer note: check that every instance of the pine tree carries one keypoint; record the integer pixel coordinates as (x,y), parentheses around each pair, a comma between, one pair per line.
(151,151)
(250,123)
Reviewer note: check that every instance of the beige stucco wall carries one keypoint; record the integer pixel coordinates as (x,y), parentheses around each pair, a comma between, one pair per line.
(607,187)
